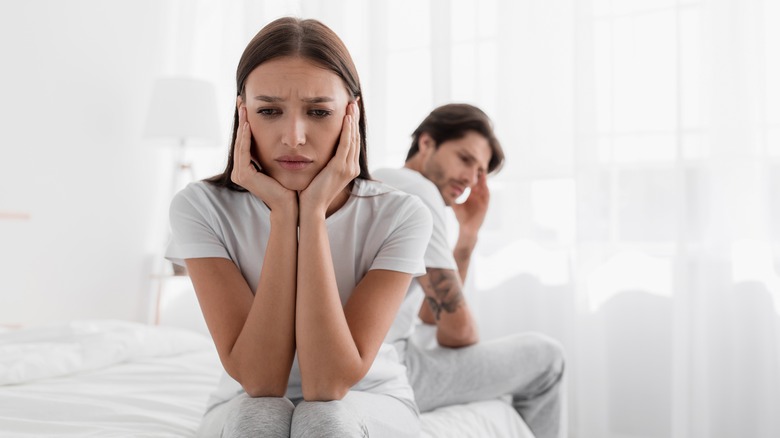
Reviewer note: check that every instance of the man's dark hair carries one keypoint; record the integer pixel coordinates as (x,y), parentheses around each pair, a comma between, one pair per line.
(454,121)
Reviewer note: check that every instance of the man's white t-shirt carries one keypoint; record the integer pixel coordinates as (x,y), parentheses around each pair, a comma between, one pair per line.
(438,254)
(377,228)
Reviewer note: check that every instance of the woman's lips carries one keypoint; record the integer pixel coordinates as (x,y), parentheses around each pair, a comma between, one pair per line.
(293,162)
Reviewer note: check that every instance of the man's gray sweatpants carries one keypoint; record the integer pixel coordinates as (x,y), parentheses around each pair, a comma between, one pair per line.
(527,366)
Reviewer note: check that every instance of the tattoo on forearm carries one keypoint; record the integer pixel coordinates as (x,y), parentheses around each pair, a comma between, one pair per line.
(442,291)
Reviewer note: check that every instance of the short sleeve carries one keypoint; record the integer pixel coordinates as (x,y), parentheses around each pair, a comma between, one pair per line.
(439,254)
(404,248)
(192,229)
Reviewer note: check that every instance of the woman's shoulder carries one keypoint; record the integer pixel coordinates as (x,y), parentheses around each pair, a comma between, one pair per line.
(205,196)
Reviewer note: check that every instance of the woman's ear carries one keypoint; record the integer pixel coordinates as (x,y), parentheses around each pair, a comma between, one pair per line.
(239,102)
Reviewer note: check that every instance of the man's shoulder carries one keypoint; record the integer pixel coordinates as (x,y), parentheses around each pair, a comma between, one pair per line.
(410,181)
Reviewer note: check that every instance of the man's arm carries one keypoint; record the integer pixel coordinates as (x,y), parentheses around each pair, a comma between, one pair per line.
(446,307)
(444,303)
(470,215)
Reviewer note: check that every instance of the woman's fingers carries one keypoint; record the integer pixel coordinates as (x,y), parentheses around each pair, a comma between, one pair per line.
(355,149)
(349,144)
(246,139)
(342,149)
(241,153)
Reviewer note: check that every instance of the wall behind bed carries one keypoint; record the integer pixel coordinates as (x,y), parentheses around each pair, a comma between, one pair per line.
(77,181)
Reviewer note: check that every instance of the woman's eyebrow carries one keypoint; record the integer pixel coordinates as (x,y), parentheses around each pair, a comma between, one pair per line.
(318,99)
(271,99)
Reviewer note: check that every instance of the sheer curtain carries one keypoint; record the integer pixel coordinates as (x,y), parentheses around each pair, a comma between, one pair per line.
(636,220)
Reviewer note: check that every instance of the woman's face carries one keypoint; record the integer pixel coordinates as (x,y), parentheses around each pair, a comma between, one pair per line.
(295,110)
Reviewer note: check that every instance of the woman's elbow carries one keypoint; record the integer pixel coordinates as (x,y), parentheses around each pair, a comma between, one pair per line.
(325,392)
(331,386)
(263,389)
(257,382)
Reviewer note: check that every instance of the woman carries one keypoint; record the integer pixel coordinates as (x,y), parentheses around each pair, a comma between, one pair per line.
(300,261)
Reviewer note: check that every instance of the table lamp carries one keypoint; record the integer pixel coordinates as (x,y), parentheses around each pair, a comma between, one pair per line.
(183,109)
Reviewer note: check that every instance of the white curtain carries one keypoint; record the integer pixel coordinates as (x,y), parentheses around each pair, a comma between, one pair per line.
(638,217)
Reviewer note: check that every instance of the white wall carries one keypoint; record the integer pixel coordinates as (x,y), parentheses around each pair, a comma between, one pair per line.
(76,78)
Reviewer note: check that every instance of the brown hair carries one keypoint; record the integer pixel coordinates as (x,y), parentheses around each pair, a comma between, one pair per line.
(454,121)
(309,39)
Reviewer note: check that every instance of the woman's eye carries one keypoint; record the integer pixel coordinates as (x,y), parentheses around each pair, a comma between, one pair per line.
(268,112)
(320,113)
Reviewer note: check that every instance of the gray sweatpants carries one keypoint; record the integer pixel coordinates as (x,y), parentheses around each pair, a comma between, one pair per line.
(527,366)
(359,414)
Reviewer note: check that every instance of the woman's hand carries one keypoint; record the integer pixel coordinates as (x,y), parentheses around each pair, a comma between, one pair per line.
(340,170)
(247,174)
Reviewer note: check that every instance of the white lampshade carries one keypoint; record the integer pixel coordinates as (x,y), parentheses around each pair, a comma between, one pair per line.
(183,108)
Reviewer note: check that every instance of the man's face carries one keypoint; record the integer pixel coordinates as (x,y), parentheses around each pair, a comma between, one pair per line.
(455,164)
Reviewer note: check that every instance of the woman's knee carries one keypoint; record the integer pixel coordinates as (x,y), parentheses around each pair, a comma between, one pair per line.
(258,416)
(331,419)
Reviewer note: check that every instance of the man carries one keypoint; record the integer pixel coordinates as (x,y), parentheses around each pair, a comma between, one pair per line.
(455,149)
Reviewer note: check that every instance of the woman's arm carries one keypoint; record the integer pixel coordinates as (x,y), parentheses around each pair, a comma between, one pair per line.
(254,334)
(337,345)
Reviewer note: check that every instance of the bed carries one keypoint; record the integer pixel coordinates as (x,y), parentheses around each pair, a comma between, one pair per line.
(120,379)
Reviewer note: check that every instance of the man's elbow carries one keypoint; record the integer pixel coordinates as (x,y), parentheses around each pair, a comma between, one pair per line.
(459,338)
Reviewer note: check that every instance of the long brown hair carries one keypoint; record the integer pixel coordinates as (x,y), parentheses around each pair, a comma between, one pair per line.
(309,39)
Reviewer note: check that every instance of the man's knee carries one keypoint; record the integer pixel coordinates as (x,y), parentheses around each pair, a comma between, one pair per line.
(332,419)
(553,351)
(547,354)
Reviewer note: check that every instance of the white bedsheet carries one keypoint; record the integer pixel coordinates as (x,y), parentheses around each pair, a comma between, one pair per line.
(121,379)
(104,379)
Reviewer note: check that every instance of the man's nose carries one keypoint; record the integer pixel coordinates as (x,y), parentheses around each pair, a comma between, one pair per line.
(472,176)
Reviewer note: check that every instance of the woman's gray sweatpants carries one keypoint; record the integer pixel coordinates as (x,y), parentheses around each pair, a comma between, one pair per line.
(527,366)
(359,414)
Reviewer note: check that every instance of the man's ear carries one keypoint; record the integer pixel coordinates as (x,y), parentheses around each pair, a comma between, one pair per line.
(425,143)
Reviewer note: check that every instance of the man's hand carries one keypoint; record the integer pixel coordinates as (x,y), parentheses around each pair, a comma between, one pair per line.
(471,214)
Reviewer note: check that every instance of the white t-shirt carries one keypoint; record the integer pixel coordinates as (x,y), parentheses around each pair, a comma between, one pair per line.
(377,228)
(438,254)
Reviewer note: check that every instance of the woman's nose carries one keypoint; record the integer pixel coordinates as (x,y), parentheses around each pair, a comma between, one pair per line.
(294,132)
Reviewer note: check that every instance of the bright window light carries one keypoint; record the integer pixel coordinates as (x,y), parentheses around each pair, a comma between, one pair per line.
(629,271)
(752,261)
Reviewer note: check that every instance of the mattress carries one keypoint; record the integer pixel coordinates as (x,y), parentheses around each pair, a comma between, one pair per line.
(122,379)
